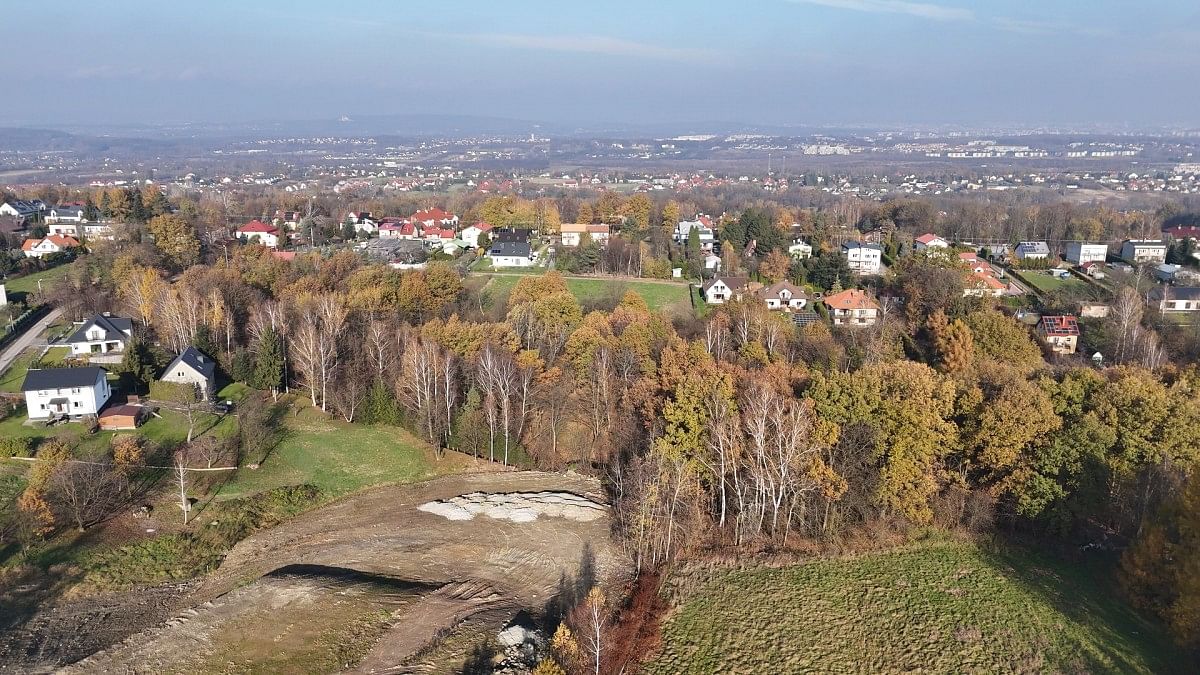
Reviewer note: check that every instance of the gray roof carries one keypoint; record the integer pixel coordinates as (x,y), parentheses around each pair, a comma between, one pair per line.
(68,210)
(196,360)
(1189,293)
(861,244)
(510,234)
(510,249)
(61,378)
(114,327)
(1033,247)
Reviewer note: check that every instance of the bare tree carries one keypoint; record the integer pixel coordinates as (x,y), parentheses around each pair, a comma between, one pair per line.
(179,470)
(87,491)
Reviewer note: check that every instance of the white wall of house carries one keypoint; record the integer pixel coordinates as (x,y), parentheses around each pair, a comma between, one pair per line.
(80,400)
(182,374)
(1080,253)
(511,261)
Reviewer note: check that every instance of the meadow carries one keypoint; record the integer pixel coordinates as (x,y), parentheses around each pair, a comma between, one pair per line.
(945,607)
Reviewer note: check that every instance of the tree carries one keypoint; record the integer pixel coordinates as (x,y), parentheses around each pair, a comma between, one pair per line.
(142,290)
(184,395)
(268,362)
(179,471)
(953,343)
(176,239)
(128,454)
(670,217)
(775,266)
(86,491)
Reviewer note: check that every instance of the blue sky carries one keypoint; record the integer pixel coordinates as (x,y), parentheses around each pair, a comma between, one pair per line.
(746,61)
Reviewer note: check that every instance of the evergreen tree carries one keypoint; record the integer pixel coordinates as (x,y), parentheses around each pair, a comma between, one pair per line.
(348,232)
(105,206)
(268,366)
(380,406)
(137,210)
(203,340)
(90,212)
(137,365)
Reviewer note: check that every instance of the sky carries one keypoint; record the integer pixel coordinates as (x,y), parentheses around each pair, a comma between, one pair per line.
(777,62)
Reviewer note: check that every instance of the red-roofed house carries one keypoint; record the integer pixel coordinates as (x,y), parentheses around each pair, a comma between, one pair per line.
(437,235)
(256,230)
(929,240)
(398,230)
(435,217)
(852,308)
(55,243)
(1060,332)
(471,233)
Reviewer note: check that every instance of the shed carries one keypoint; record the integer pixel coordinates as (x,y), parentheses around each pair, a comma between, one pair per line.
(120,417)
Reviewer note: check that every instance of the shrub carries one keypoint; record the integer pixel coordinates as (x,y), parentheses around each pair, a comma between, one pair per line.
(19,446)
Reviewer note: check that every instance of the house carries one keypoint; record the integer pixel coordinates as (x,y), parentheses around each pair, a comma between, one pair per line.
(929,240)
(398,230)
(1176,298)
(55,243)
(471,233)
(73,392)
(260,232)
(362,221)
(435,217)
(1093,269)
(1032,250)
(570,234)
(520,235)
(193,367)
(122,417)
(783,295)
(511,254)
(98,231)
(1166,273)
(101,335)
(66,213)
(800,249)
(288,219)
(852,308)
(997,252)
(23,210)
(599,232)
(712,262)
(703,227)
(437,236)
(864,258)
(718,290)
(1144,251)
(981,284)
(1061,332)
(1079,252)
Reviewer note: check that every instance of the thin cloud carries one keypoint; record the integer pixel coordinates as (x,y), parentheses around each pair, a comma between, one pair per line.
(590,44)
(1028,27)
(922,10)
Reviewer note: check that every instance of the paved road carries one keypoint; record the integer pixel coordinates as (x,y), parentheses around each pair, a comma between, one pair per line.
(27,339)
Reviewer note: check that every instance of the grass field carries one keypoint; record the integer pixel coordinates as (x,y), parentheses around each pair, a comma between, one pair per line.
(667,297)
(29,283)
(11,379)
(1049,284)
(338,458)
(945,608)
(168,429)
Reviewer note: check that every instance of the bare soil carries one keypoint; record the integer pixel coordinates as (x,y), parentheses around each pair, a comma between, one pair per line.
(370,583)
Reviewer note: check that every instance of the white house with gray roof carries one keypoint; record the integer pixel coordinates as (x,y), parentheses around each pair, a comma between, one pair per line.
(74,392)
(193,367)
(101,335)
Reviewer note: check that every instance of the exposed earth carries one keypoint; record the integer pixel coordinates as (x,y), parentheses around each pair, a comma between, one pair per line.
(397,579)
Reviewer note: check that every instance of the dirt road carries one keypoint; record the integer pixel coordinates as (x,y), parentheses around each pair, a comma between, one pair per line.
(257,612)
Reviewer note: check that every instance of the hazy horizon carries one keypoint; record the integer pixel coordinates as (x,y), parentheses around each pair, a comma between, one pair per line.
(768,62)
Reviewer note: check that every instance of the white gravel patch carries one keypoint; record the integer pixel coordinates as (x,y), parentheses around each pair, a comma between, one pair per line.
(517,507)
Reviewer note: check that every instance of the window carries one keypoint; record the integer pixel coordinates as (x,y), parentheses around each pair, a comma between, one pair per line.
(76,404)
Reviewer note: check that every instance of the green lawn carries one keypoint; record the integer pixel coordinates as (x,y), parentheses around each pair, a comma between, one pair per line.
(1049,284)
(11,379)
(944,608)
(670,298)
(167,429)
(29,283)
(338,458)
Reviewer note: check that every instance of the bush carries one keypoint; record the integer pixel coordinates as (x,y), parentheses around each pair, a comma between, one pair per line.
(19,446)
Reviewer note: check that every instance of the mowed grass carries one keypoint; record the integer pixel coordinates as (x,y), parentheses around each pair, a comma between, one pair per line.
(946,608)
(338,458)
(666,297)
(1050,284)
(29,283)
(11,379)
